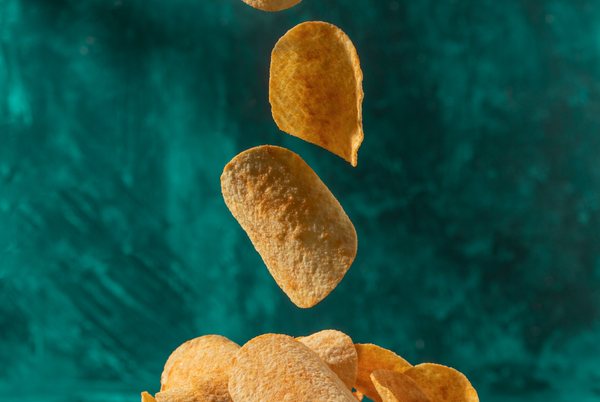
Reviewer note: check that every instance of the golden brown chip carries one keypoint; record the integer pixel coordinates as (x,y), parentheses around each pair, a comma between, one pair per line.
(183,349)
(204,364)
(397,387)
(272,5)
(278,368)
(146,397)
(337,350)
(370,358)
(443,384)
(297,226)
(315,88)
(181,394)
(359,395)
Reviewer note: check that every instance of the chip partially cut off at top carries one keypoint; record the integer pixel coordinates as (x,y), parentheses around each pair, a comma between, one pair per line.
(337,350)
(443,384)
(297,226)
(278,368)
(272,5)
(315,88)
(393,386)
(203,364)
(370,358)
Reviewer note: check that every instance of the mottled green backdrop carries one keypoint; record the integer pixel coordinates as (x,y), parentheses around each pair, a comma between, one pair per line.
(476,198)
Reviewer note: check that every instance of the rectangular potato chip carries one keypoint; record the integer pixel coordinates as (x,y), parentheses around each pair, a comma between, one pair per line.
(337,350)
(315,88)
(272,368)
(370,358)
(294,222)
(443,384)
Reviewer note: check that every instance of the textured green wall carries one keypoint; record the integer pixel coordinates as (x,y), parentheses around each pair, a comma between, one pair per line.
(476,198)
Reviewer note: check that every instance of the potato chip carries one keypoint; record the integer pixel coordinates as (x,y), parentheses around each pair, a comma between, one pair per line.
(272,5)
(181,394)
(204,364)
(443,384)
(278,368)
(370,358)
(337,350)
(297,226)
(146,397)
(183,349)
(397,387)
(315,88)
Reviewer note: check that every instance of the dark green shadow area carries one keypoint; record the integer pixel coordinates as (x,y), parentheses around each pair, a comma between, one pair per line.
(476,198)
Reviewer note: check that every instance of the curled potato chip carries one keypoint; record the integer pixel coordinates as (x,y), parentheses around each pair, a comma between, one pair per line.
(272,5)
(315,88)
(146,397)
(183,349)
(181,394)
(443,384)
(393,386)
(278,368)
(337,350)
(370,358)
(297,226)
(203,364)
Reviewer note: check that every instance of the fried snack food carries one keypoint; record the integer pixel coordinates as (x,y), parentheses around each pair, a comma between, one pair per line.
(181,394)
(279,368)
(183,349)
(443,384)
(393,386)
(370,358)
(337,350)
(297,226)
(203,364)
(272,5)
(359,395)
(315,88)
(146,397)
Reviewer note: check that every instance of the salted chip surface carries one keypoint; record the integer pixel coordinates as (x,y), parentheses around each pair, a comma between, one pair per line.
(204,365)
(393,386)
(443,384)
(315,88)
(337,350)
(370,358)
(272,5)
(273,368)
(183,349)
(181,394)
(146,397)
(297,226)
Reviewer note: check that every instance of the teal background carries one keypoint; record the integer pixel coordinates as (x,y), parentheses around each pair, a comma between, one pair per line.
(476,197)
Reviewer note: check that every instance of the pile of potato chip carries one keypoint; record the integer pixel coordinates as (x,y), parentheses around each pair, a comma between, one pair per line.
(325,366)
(308,243)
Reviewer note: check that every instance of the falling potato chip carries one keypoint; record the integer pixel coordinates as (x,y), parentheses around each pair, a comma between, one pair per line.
(146,397)
(370,358)
(443,384)
(397,387)
(359,395)
(272,5)
(297,226)
(315,88)
(181,394)
(337,350)
(278,368)
(183,349)
(204,365)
